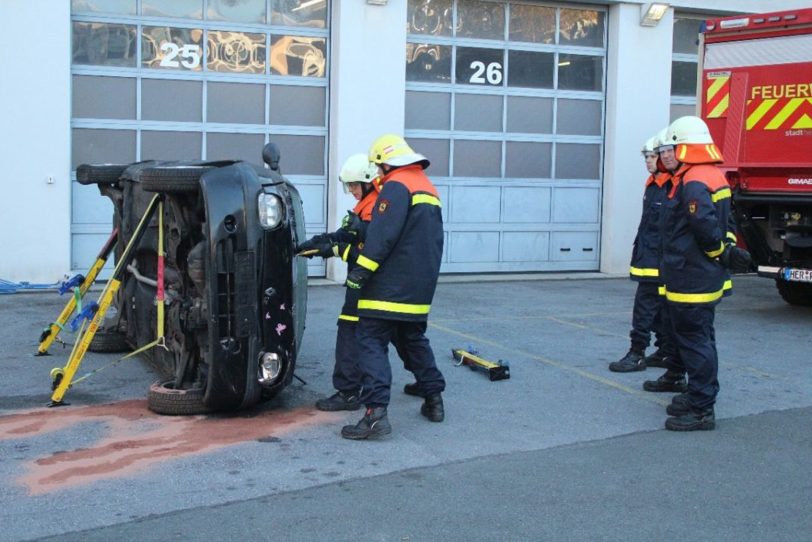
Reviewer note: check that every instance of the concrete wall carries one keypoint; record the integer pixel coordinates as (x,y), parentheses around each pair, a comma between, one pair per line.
(367,90)
(35,141)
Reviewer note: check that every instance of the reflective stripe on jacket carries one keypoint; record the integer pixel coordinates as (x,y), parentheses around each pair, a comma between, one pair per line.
(696,217)
(645,262)
(403,248)
(349,311)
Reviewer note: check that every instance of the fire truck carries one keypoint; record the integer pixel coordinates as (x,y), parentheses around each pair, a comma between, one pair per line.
(756,97)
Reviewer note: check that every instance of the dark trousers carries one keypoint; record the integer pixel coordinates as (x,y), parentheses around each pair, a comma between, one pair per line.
(346,374)
(696,341)
(646,316)
(373,336)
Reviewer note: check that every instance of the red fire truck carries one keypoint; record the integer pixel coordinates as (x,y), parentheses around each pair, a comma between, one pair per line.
(756,97)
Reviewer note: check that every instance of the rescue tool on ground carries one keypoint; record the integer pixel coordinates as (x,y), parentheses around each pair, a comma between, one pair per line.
(498,370)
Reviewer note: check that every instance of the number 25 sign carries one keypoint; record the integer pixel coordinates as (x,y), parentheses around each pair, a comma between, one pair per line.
(189,56)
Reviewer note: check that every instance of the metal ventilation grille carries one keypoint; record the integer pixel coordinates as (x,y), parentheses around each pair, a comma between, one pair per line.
(761,52)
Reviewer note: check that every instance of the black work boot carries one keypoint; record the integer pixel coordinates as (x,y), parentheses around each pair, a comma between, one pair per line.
(679,405)
(374,424)
(632,361)
(668,381)
(658,359)
(432,408)
(342,400)
(412,389)
(693,420)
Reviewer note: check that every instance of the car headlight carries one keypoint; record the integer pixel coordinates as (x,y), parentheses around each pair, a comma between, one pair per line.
(270,210)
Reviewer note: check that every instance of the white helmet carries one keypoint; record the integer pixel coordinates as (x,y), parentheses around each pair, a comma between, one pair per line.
(649,145)
(659,139)
(357,169)
(688,131)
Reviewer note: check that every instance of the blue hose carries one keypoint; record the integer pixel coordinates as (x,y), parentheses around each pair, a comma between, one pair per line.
(8,287)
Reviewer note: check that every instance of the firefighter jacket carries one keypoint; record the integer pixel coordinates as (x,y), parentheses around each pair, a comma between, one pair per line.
(694,229)
(403,248)
(349,253)
(645,264)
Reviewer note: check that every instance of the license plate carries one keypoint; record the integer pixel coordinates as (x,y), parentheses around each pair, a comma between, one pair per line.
(797,275)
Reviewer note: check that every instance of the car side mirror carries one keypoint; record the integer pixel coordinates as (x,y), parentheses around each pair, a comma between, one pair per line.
(271,156)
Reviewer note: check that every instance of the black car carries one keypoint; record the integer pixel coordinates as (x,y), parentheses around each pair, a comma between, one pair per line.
(235,292)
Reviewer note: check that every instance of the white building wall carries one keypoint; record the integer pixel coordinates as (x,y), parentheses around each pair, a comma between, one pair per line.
(35,142)
(367,90)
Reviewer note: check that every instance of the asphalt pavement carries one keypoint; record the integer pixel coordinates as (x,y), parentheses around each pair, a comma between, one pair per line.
(563,450)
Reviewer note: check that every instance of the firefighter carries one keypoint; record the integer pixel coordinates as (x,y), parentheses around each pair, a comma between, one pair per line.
(644,269)
(397,275)
(358,178)
(696,253)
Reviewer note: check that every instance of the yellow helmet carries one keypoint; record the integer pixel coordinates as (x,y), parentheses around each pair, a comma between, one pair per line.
(392,149)
(357,169)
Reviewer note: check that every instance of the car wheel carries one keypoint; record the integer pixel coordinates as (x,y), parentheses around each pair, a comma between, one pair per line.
(163,398)
(109,341)
(795,293)
(99,174)
(172,179)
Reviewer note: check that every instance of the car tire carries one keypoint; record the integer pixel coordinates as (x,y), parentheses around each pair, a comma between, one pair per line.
(163,398)
(99,174)
(172,180)
(109,341)
(795,293)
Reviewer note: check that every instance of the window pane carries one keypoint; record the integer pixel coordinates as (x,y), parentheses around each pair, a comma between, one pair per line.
(431,17)
(575,161)
(579,72)
(127,7)
(188,9)
(310,13)
(530,69)
(246,147)
(163,99)
(428,110)
(581,27)
(299,106)
(238,52)
(103,44)
(428,63)
(171,48)
(528,160)
(476,66)
(103,97)
(102,146)
(170,145)
(238,11)
(235,103)
(578,117)
(297,55)
(683,78)
(477,158)
(301,155)
(483,20)
(686,36)
(478,113)
(679,110)
(529,115)
(535,24)
(436,150)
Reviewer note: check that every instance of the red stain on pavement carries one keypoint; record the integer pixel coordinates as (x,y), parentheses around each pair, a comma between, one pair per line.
(137,439)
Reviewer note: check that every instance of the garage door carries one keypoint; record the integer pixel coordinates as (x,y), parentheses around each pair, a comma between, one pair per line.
(507,100)
(197,79)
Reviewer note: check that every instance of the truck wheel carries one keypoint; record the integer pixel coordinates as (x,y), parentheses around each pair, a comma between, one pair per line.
(99,174)
(109,341)
(163,398)
(795,293)
(172,180)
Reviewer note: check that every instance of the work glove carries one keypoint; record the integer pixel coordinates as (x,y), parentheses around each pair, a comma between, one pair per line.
(310,248)
(357,278)
(352,223)
(736,259)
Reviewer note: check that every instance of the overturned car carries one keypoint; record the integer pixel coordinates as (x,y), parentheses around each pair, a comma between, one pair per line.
(234,293)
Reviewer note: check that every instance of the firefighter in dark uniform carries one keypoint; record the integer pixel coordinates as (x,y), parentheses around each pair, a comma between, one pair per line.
(696,255)
(644,269)
(397,275)
(358,176)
